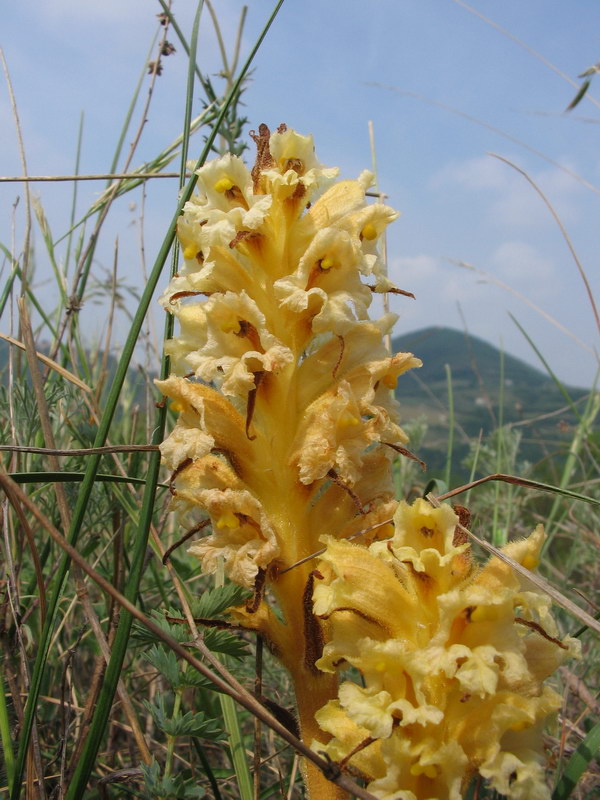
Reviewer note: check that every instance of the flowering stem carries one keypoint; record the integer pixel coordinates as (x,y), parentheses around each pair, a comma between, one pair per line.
(312,693)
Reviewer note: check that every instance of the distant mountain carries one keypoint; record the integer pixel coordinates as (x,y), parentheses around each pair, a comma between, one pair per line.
(525,397)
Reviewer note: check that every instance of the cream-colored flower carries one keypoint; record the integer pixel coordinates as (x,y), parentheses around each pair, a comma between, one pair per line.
(285,434)
(242,535)
(290,380)
(225,341)
(295,166)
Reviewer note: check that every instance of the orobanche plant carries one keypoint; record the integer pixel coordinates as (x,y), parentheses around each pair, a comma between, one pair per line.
(287,427)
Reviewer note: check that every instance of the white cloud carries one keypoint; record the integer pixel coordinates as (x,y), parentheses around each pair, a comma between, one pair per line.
(442,288)
(509,197)
(439,287)
(481,172)
(408,269)
(520,262)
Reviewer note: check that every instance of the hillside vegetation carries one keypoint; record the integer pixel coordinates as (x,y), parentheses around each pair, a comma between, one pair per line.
(490,389)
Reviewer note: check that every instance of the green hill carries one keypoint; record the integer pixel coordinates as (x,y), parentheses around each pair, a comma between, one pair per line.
(525,397)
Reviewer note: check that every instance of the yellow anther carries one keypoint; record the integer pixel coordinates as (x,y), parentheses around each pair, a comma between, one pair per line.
(227,520)
(224,185)
(231,326)
(346,419)
(369,232)
(429,770)
(484,614)
(190,251)
(381,666)
(520,726)
(327,263)
(176,406)
(390,381)
(530,562)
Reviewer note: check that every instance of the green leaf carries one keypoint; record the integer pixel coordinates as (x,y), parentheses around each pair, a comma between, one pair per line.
(220,641)
(217,640)
(584,754)
(191,679)
(189,724)
(215,601)
(141,636)
(172,787)
(579,96)
(165,661)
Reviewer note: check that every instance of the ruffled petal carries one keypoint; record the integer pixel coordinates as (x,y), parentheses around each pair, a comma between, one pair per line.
(451,678)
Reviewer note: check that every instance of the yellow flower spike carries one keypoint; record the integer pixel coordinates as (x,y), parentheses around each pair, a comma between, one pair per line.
(281,440)
(224,184)
(461,694)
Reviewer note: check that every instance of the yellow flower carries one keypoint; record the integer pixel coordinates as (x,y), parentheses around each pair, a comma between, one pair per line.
(452,659)
(285,432)
(286,389)
(286,425)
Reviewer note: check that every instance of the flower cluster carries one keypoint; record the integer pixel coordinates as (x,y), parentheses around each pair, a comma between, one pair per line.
(287,425)
(452,660)
(281,380)
(285,435)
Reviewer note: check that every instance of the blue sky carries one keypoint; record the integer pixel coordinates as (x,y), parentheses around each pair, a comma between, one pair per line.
(444,90)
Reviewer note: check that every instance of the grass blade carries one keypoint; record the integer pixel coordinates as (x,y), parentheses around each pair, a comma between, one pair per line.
(75,187)
(5,737)
(584,754)
(236,747)
(448,470)
(548,369)
(232,726)
(76,477)
(50,363)
(499,536)
(517,481)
